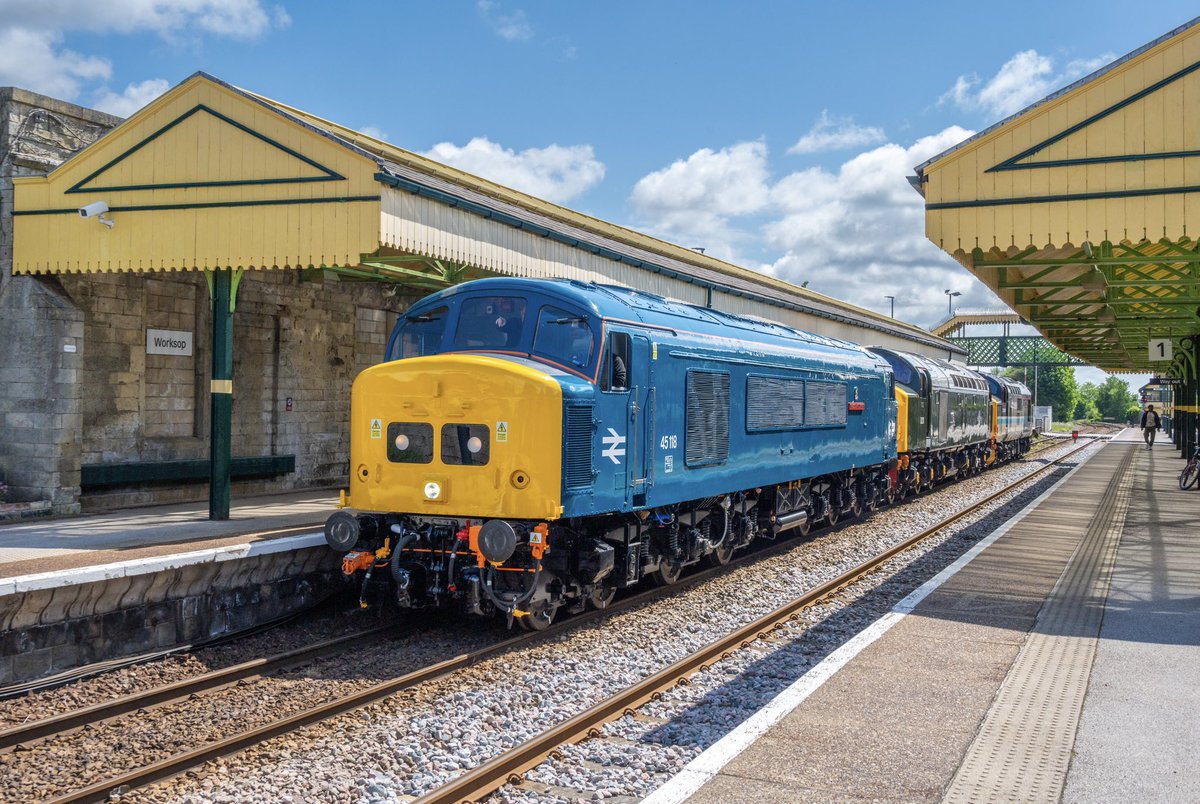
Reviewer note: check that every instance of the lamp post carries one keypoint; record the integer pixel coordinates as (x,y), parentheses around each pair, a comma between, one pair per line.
(892,299)
(950,294)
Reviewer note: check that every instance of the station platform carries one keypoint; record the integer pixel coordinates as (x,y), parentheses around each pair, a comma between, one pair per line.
(1058,660)
(77,591)
(55,545)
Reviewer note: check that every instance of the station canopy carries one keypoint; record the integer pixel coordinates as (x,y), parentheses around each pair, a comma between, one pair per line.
(212,177)
(1076,210)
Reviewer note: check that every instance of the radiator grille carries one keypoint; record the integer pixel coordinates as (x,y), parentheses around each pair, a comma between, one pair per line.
(577,446)
(707,435)
(774,403)
(824,403)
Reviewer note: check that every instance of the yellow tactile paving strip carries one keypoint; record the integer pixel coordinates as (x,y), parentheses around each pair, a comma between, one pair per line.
(1023,749)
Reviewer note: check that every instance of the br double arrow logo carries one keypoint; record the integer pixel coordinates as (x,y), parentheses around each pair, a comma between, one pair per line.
(614,445)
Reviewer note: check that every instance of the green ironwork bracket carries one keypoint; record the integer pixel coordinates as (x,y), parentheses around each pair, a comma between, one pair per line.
(235,283)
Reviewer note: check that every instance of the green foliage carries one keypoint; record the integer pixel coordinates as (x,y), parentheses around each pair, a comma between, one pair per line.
(1085,410)
(1056,387)
(1114,400)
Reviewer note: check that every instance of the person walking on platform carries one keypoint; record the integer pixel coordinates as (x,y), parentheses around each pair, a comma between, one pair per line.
(1150,423)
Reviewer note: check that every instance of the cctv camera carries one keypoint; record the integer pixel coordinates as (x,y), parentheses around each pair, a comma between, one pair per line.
(93,209)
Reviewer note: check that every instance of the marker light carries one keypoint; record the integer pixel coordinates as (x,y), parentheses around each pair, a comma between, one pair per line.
(474,445)
(433,490)
(402,442)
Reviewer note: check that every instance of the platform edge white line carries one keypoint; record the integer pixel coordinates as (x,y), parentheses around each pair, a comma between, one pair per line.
(20,584)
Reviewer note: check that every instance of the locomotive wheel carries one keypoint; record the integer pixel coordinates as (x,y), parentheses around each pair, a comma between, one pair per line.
(602,595)
(856,508)
(833,516)
(804,529)
(539,619)
(720,556)
(668,573)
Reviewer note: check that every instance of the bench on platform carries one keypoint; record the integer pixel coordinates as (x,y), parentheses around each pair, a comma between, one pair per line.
(104,475)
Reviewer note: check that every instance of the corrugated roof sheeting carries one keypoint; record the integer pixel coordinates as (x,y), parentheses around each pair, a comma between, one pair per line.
(428,215)
(423,226)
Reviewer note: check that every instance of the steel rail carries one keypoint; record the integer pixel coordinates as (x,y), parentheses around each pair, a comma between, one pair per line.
(509,766)
(185,760)
(26,733)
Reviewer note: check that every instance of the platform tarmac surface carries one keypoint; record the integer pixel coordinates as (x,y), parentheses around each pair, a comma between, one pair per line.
(1061,663)
(46,545)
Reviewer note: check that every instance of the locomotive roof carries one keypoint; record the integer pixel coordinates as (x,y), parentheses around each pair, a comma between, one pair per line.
(940,369)
(622,303)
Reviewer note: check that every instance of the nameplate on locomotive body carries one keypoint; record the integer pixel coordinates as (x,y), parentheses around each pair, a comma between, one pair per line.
(168,342)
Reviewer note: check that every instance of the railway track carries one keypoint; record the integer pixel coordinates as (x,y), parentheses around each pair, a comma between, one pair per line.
(485,778)
(21,737)
(508,768)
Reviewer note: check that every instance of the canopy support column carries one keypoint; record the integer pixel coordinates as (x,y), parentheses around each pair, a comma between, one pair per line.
(222,290)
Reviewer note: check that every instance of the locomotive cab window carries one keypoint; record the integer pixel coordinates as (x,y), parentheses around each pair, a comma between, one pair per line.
(491,322)
(420,334)
(615,376)
(465,444)
(566,338)
(410,442)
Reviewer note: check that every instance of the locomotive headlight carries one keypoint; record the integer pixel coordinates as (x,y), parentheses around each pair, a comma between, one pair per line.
(474,444)
(402,442)
(433,490)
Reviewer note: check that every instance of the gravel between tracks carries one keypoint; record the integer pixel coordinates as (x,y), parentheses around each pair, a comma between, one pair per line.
(322,625)
(61,764)
(411,742)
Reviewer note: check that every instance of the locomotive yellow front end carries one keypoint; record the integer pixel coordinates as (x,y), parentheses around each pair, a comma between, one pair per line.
(456,435)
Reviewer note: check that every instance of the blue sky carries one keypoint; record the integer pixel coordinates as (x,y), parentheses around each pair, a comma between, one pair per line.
(776,135)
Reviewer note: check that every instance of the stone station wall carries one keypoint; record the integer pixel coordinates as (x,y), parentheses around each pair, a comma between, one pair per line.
(58,627)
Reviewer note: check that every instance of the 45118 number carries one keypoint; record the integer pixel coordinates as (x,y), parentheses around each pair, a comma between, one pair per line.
(669,442)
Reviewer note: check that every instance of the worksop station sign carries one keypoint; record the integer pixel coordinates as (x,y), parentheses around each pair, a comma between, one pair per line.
(168,342)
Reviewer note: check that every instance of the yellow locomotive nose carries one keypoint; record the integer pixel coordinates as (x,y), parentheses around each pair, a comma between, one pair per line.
(456,435)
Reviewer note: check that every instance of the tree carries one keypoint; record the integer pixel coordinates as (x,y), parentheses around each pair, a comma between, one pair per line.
(1085,408)
(1114,399)
(1056,387)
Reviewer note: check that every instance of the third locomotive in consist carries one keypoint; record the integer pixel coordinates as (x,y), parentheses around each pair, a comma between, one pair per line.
(534,444)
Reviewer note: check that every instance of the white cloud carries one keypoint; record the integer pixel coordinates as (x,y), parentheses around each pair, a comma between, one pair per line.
(858,233)
(238,19)
(133,98)
(832,133)
(855,233)
(557,173)
(34,60)
(692,200)
(32,55)
(512,26)
(374,131)
(1025,78)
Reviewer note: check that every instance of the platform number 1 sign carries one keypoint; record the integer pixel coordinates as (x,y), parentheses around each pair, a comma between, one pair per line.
(1160,349)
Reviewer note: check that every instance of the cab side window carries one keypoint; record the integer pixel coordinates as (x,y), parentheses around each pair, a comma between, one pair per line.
(615,376)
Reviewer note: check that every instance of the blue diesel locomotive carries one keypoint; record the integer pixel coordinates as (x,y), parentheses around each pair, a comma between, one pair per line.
(530,445)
